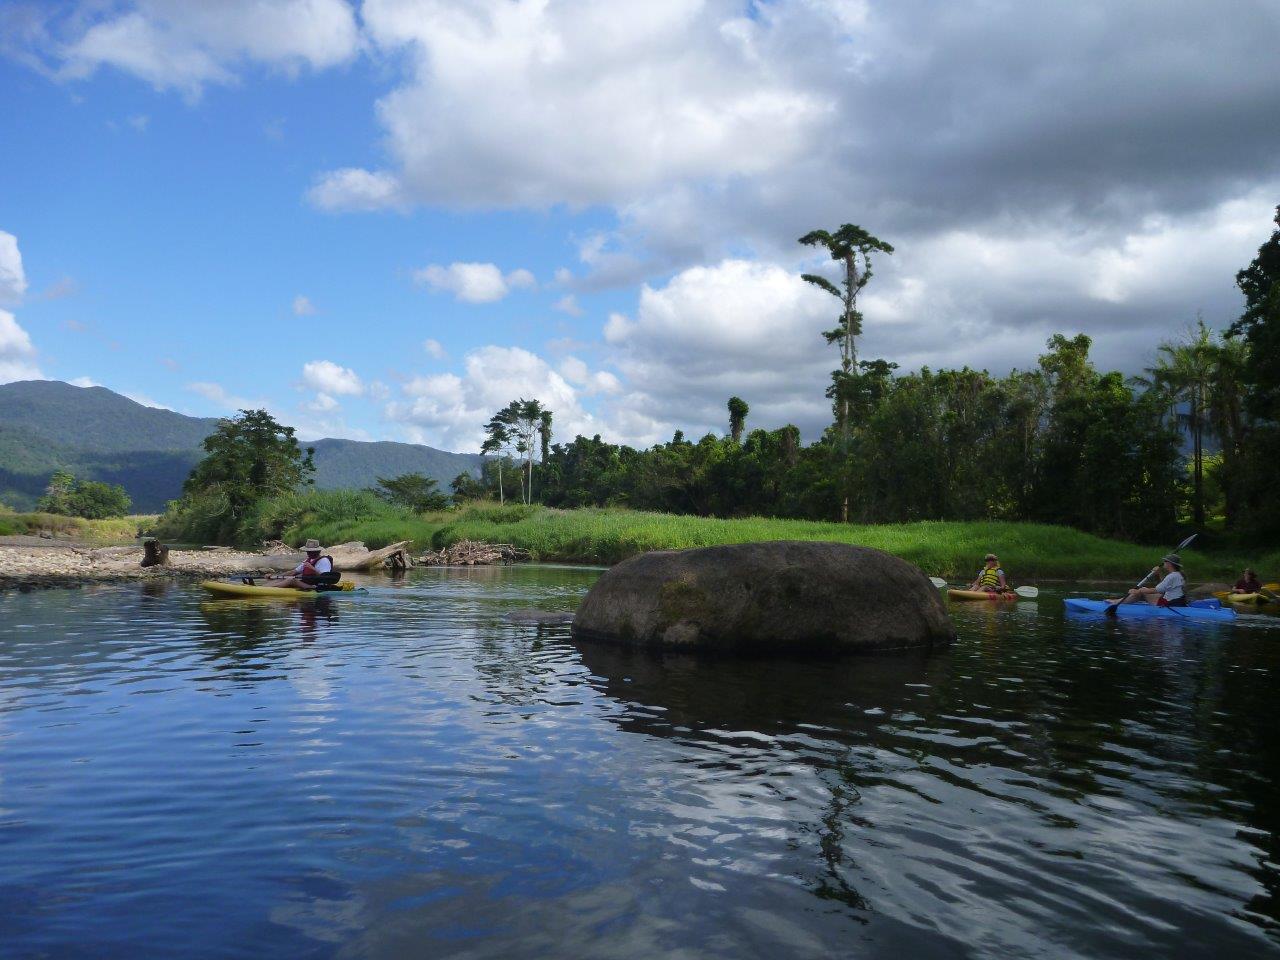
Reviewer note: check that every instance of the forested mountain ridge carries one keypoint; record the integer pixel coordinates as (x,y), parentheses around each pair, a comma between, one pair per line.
(46,425)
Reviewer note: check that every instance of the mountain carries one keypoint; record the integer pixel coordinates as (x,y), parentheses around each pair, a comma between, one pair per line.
(46,425)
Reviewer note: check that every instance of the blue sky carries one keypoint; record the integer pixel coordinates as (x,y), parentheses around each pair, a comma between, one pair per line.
(282,202)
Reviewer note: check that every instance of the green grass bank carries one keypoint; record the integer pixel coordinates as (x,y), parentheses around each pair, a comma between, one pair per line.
(946,549)
(104,532)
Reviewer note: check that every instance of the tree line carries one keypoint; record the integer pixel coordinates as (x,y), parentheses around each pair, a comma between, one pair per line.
(1062,442)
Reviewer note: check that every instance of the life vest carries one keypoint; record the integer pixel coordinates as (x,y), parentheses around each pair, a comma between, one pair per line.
(333,576)
(989,577)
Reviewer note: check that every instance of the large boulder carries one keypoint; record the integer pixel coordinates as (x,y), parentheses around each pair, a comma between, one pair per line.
(779,596)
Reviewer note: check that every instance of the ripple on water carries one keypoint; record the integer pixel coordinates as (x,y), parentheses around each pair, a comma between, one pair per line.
(430,768)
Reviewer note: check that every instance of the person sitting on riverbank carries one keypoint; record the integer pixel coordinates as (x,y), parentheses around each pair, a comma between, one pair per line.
(991,578)
(314,572)
(1169,592)
(1248,583)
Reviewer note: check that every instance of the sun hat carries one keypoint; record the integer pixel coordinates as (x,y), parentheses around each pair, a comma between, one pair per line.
(313,546)
(1172,558)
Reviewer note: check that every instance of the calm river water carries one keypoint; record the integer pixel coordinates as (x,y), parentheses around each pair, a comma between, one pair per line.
(422,771)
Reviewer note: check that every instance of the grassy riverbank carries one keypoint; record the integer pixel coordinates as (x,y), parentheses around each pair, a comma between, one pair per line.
(98,532)
(947,549)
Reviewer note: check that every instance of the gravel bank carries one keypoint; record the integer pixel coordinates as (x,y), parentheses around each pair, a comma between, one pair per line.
(32,567)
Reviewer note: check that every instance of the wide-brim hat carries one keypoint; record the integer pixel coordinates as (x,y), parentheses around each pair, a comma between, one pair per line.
(313,546)
(1172,558)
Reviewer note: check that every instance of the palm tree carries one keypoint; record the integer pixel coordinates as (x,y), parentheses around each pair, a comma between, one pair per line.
(1185,373)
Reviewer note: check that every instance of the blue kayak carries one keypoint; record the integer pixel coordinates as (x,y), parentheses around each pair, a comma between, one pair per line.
(1132,610)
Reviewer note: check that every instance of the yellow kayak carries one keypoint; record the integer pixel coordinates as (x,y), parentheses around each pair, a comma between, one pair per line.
(980,595)
(1245,598)
(225,589)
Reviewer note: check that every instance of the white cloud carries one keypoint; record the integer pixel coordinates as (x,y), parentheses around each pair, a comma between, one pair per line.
(327,377)
(590,382)
(322,403)
(474,282)
(435,349)
(173,44)
(351,189)
(139,122)
(13,280)
(449,411)
(740,327)
(84,382)
(303,307)
(143,399)
(514,104)
(568,304)
(17,354)
(218,395)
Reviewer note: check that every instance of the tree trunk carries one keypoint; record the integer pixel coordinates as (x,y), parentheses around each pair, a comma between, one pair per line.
(502,497)
(1197,465)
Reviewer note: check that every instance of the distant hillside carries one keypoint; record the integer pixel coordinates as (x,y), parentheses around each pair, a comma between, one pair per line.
(46,425)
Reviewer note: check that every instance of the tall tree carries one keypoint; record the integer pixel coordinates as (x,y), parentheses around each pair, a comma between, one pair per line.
(496,439)
(1184,373)
(738,411)
(1260,325)
(851,246)
(250,457)
(415,491)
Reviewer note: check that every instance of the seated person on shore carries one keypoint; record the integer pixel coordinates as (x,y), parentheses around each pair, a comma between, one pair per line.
(991,578)
(1169,592)
(315,571)
(1248,583)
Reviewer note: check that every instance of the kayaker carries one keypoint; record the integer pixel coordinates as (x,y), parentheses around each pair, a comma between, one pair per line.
(315,571)
(1248,583)
(990,578)
(1169,592)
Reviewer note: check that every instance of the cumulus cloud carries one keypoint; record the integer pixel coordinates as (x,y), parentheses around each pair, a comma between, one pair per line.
(449,411)
(13,280)
(518,103)
(84,382)
(568,304)
(303,307)
(327,377)
(434,349)
(17,354)
(220,397)
(474,282)
(173,44)
(351,189)
(738,328)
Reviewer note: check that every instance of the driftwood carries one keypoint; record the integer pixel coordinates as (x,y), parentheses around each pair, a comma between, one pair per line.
(154,554)
(346,560)
(469,553)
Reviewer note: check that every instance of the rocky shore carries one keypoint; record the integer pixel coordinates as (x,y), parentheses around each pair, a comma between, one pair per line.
(32,567)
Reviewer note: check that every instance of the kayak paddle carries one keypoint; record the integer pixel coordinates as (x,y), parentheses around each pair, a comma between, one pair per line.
(1030,593)
(1111,610)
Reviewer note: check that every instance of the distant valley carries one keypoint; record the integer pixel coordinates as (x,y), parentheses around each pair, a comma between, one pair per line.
(47,425)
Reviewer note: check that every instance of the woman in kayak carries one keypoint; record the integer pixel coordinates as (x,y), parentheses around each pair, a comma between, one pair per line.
(1248,583)
(1169,592)
(991,578)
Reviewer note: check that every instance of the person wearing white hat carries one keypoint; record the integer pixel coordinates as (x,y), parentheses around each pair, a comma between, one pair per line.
(315,571)
(1169,592)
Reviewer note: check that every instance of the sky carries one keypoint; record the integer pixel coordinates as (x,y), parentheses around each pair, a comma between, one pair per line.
(386,219)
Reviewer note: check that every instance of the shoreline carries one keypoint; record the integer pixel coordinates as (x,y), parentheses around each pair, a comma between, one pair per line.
(51,565)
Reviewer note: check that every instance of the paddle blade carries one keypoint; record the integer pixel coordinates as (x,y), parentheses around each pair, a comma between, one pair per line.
(1185,543)
(1029,592)
(938,582)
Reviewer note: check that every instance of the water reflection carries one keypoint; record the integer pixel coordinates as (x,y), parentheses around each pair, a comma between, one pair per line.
(434,768)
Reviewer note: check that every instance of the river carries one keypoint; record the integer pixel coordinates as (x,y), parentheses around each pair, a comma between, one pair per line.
(424,770)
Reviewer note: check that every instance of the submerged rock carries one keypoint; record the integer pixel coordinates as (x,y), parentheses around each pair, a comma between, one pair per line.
(774,597)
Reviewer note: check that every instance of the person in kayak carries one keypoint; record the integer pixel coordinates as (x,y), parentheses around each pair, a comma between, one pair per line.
(315,571)
(1248,583)
(1169,592)
(991,578)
